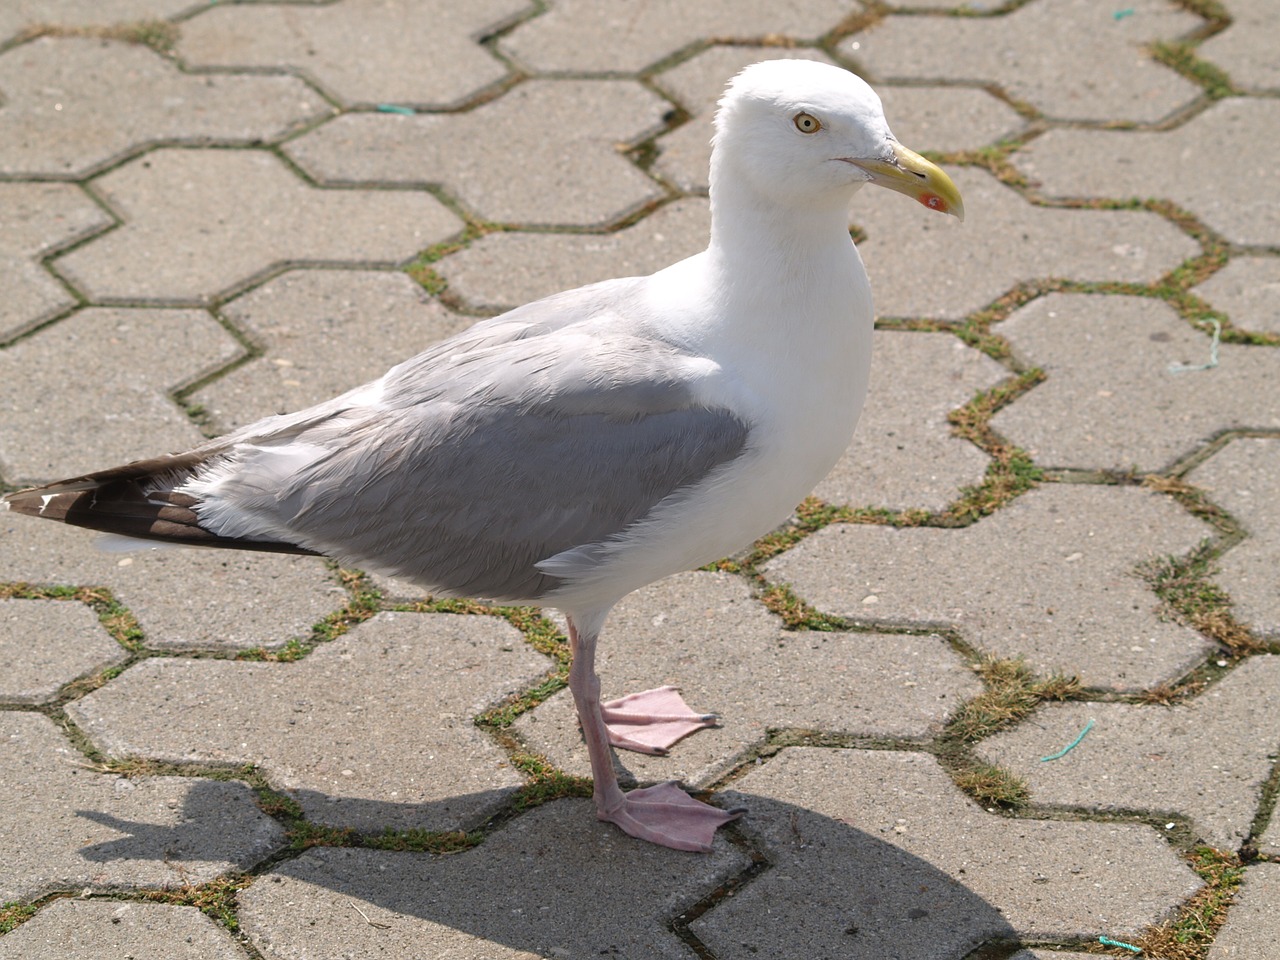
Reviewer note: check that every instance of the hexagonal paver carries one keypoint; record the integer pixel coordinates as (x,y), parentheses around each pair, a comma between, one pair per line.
(1208,759)
(19,15)
(93,929)
(1247,290)
(373,730)
(1111,77)
(1253,926)
(503,269)
(66,826)
(1049,577)
(903,454)
(72,104)
(47,643)
(201,222)
(924,118)
(1244,478)
(35,220)
(182,598)
(1244,49)
(1183,165)
(703,633)
(936,875)
(518,895)
(545,152)
(1111,400)
(923,265)
(361,51)
(93,390)
(322,332)
(580,35)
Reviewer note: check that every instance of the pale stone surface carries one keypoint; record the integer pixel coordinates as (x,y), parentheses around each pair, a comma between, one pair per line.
(1246,48)
(903,454)
(503,269)
(1049,577)
(936,874)
(94,390)
(183,599)
(1111,400)
(199,223)
(703,633)
(1182,165)
(582,35)
(19,15)
(1244,478)
(925,265)
(74,104)
(1208,758)
(372,730)
(361,51)
(1111,77)
(322,332)
(1247,290)
(1252,929)
(37,219)
(1269,842)
(98,929)
(47,643)
(546,152)
(67,827)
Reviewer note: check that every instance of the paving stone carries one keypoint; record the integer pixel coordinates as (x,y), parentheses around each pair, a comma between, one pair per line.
(924,118)
(546,152)
(35,220)
(1049,577)
(1111,400)
(927,883)
(903,454)
(93,391)
(1208,759)
(1269,842)
(1252,929)
(1244,478)
(372,730)
(1244,49)
(183,598)
(200,222)
(67,827)
(1052,955)
(17,16)
(580,35)
(423,52)
(74,104)
(1111,77)
(1247,290)
(47,643)
(322,332)
(504,270)
(96,929)
(1182,165)
(703,633)
(518,895)
(1004,241)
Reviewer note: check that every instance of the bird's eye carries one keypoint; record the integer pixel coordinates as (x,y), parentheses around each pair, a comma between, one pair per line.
(807,123)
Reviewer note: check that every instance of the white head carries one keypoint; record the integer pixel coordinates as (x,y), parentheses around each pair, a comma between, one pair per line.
(802,132)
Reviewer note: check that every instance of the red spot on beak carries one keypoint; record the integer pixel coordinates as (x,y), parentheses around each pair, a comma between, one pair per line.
(934,202)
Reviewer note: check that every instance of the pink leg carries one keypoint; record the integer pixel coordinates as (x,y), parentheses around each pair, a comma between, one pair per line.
(651,721)
(662,814)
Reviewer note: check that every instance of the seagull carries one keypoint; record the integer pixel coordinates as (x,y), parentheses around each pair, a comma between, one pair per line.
(580,447)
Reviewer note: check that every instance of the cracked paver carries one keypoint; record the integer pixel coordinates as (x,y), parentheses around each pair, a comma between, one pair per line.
(1049,577)
(927,883)
(1108,78)
(1245,48)
(94,929)
(373,730)
(75,104)
(1247,290)
(361,51)
(1207,759)
(1110,399)
(578,177)
(198,223)
(45,644)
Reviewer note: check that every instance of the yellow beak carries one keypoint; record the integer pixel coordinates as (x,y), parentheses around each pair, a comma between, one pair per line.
(908,172)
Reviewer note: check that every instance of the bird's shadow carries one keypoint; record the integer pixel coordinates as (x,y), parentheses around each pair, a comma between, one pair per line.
(554,882)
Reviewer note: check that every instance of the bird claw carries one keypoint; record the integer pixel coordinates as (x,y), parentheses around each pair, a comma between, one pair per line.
(666,815)
(651,721)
